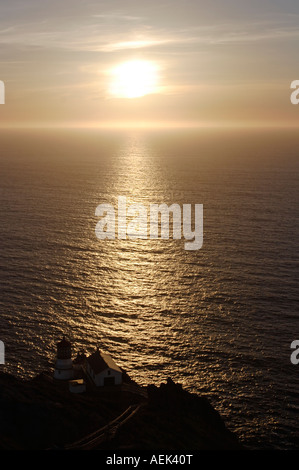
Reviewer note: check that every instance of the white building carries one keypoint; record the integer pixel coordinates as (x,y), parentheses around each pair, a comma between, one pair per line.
(64,364)
(102,369)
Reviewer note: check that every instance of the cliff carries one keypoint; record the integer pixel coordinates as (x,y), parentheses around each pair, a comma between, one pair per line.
(42,413)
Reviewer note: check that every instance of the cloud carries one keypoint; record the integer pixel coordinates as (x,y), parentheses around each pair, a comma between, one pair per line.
(118,16)
(97,36)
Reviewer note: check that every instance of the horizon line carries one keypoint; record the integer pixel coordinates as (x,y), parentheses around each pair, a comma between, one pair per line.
(148,125)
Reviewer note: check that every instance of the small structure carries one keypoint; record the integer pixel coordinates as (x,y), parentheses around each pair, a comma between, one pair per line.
(77,386)
(64,364)
(102,369)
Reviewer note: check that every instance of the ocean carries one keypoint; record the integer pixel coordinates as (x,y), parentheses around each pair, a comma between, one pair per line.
(219,320)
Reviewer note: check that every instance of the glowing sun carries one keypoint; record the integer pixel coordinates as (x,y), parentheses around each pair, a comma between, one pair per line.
(134,79)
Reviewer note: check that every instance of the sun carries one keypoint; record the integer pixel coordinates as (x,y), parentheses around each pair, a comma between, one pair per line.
(134,79)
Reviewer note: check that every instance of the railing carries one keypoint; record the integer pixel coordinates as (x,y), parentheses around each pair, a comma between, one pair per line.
(105,433)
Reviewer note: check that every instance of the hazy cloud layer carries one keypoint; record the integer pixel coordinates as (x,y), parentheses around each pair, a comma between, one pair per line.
(68,47)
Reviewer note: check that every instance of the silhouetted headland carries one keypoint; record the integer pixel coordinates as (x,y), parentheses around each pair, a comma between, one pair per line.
(42,413)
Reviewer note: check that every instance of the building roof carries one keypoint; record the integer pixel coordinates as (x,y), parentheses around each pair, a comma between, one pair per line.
(76,382)
(100,361)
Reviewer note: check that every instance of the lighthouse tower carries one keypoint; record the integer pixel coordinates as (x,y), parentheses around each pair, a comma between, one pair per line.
(64,364)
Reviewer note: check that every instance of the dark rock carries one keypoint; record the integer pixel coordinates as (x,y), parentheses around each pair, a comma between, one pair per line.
(41,413)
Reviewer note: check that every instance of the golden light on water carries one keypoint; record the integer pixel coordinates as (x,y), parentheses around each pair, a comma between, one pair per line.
(134,79)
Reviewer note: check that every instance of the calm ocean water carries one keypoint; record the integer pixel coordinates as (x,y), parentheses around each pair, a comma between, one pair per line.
(219,320)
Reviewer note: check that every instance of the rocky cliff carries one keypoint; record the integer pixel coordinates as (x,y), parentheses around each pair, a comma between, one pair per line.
(43,414)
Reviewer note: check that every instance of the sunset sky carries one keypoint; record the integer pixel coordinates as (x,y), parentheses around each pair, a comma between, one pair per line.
(83,62)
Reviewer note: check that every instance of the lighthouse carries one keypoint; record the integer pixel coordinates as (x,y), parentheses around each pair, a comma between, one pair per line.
(64,364)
